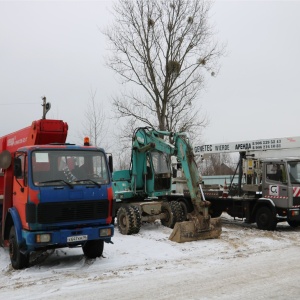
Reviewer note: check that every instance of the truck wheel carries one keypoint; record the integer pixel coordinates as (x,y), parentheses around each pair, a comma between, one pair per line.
(265,219)
(125,220)
(93,249)
(215,213)
(294,224)
(18,259)
(170,211)
(137,221)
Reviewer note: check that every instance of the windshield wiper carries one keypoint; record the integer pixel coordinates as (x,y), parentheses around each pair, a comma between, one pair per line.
(89,180)
(59,180)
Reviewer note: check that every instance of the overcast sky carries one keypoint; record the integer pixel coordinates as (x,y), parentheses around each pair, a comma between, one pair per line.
(56,49)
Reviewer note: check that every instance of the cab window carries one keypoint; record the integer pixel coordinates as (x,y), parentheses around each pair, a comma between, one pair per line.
(276,172)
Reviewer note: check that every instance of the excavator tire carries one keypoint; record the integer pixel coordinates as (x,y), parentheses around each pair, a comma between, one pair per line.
(173,213)
(125,220)
(186,208)
(178,211)
(137,221)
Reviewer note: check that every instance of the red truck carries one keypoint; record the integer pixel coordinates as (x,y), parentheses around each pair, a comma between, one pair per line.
(53,194)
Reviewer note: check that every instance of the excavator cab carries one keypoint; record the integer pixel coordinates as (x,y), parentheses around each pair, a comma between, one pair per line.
(158,172)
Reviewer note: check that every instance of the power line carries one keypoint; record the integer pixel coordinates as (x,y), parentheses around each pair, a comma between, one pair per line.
(18,103)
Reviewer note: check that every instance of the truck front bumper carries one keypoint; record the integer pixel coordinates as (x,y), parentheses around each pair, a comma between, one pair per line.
(36,240)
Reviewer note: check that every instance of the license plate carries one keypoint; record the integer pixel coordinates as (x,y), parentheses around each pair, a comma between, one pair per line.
(77,238)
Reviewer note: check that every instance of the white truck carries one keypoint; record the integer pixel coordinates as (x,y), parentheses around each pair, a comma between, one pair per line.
(269,182)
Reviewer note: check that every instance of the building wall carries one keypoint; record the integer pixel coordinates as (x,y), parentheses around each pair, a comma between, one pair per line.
(219,179)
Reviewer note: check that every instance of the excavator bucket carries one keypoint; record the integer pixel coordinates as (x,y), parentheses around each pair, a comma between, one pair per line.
(196,229)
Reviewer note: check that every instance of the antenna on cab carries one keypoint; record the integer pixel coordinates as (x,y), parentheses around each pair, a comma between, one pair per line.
(46,107)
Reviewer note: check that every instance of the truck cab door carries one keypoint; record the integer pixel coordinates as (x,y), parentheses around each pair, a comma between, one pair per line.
(20,185)
(275,185)
(294,177)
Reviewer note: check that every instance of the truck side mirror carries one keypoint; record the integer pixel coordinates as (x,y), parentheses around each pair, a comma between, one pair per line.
(5,159)
(110,163)
(18,167)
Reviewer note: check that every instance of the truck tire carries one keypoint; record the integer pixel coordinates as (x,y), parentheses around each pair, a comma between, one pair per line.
(125,220)
(215,212)
(169,208)
(18,259)
(137,221)
(294,224)
(265,219)
(93,249)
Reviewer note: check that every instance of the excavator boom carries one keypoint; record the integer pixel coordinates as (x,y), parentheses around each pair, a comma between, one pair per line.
(199,225)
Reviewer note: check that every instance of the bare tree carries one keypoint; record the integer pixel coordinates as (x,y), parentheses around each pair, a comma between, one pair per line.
(94,125)
(162,48)
(218,164)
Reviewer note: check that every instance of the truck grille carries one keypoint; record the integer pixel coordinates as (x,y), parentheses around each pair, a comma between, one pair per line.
(49,213)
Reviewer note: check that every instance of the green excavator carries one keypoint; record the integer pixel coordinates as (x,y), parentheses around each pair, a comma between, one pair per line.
(144,192)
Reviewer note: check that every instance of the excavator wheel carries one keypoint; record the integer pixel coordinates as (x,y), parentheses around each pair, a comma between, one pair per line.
(186,206)
(137,221)
(173,213)
(178,211)
(126,220)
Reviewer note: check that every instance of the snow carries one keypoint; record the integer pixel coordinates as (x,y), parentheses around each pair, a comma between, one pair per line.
(243,262)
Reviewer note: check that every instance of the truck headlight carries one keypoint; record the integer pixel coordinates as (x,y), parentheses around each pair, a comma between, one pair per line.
(105,232)
(295,212)
(43,238)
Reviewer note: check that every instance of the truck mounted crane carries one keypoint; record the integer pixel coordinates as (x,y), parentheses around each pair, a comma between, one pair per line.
(268,182)
(53,194)
(143,193)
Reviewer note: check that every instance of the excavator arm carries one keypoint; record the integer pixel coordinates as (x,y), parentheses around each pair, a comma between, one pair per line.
(199,225)
(185,156)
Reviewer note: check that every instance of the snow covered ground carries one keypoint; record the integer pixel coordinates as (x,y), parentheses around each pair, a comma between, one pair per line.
(243,263)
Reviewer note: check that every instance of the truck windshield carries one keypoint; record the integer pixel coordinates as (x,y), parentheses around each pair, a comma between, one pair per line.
(294,171)
(58,167)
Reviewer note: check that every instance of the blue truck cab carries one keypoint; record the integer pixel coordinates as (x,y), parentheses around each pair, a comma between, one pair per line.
(59,195)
